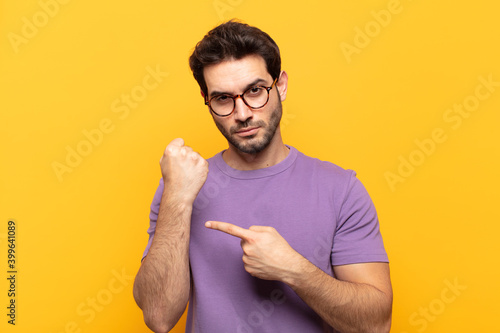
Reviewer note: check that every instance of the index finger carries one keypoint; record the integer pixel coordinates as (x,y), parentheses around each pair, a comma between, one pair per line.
(228,228)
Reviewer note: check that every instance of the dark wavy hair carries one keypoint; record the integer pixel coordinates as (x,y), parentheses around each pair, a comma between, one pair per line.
(233,40)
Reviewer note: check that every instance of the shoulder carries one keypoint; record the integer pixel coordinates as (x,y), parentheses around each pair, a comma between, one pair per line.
(339,184)
(324,170)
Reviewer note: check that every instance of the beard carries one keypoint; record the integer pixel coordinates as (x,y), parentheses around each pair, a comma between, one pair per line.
(249,144)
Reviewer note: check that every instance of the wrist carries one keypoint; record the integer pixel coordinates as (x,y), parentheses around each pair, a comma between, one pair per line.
(300,272)
(175,198)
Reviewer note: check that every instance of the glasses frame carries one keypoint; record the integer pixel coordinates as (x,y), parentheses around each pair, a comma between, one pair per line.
(234,97)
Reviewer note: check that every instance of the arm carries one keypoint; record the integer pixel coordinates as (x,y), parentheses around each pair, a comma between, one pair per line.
(162,285)
(359,299)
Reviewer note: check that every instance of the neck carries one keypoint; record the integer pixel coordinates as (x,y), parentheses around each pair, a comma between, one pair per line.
(274,153)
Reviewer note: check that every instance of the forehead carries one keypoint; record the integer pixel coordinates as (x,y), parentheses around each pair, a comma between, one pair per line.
(233,75)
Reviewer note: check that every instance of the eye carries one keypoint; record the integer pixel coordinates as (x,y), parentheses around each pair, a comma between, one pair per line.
(254,91)
(221,99)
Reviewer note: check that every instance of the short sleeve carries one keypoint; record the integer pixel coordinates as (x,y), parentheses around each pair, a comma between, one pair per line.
(153,216)
(357,236)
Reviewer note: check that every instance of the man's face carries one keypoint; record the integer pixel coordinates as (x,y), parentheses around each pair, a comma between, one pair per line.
(248,130)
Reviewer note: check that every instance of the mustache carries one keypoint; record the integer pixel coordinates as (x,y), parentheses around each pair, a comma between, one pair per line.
(247,124)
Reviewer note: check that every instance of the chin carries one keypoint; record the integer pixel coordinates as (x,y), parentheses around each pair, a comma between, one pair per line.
(251,147)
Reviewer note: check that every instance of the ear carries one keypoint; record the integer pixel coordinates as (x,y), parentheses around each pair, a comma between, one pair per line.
(282,85)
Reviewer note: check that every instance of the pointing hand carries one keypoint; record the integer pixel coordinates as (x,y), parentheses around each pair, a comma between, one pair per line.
(266,254)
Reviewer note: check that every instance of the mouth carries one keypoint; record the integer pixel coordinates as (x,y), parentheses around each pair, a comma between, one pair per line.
(247,131)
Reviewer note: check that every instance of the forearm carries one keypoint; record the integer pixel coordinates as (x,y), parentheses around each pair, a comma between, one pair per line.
(346,306)
(161,288)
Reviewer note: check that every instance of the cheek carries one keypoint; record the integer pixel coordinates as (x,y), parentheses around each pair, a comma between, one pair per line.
(268,114)
(223,125)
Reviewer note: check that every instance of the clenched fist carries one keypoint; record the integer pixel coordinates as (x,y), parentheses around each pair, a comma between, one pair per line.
(184,171)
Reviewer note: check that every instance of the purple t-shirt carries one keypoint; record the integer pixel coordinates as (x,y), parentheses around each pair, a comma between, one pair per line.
(322,210)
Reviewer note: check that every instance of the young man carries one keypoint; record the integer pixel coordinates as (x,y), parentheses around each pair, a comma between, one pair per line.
(260,237)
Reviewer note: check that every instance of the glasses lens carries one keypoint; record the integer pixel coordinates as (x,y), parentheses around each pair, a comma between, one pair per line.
(256,97)
(222,105)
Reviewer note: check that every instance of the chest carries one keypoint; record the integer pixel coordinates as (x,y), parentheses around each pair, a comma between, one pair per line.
(301,210)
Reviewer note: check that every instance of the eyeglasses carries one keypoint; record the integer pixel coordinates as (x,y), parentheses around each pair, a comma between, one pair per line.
(255,97)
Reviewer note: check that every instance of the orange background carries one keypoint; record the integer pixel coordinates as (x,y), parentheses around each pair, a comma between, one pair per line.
(375,86)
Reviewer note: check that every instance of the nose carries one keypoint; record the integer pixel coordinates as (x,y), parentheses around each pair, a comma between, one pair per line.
(241,111)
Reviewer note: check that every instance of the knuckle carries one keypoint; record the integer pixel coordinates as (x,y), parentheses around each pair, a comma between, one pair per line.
(193,155)
(250,240)
(171,150)
(251,272)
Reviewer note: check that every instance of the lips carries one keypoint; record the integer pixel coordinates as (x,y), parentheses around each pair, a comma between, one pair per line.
(247,131)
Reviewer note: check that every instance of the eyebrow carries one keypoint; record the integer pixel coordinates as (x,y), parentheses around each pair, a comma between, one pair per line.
(248,86)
